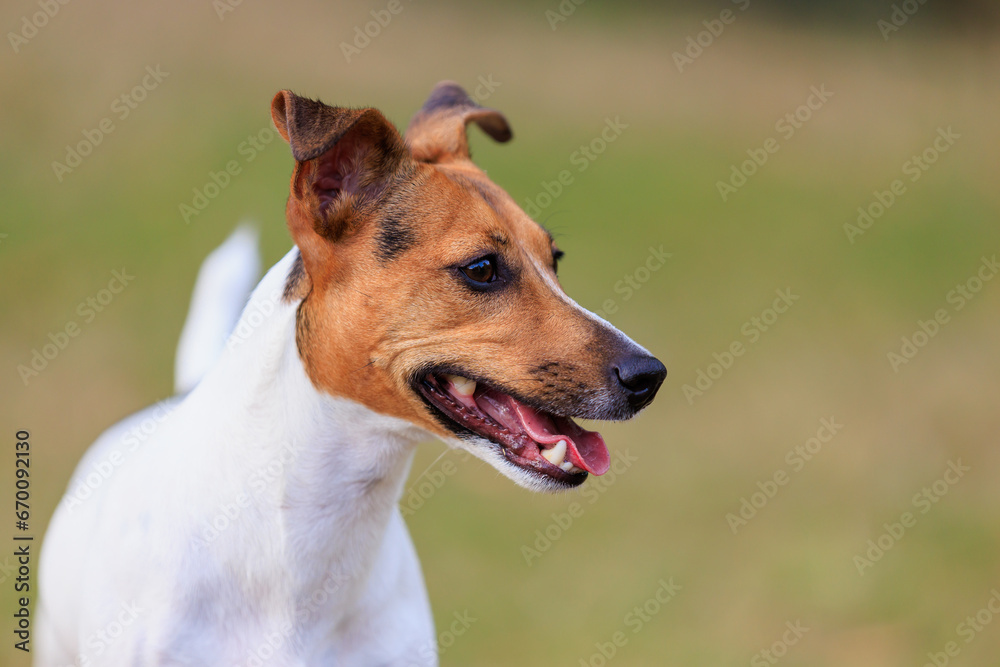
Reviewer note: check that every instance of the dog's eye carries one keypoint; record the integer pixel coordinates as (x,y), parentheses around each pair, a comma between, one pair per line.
(481,271)
(556,256)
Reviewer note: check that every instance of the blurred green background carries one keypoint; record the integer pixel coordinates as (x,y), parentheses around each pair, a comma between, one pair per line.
(696,457)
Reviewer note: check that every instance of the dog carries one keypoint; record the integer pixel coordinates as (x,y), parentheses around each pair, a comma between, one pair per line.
(256,520)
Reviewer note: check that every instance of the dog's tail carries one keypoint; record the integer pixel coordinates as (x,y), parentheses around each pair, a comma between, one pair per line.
(225,281)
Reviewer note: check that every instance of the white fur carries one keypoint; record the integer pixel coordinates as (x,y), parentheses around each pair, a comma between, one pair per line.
(313,564)
(225,280)
(254,521)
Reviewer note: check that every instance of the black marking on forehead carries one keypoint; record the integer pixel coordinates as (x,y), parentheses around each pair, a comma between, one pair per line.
(499,239)
(394,236)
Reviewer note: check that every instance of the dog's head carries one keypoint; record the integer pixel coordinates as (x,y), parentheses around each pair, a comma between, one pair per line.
(428,294)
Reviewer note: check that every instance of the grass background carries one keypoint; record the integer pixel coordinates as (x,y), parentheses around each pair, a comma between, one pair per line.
(655,185)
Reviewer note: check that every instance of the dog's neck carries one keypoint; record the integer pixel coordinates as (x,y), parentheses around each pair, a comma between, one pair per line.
(334,468)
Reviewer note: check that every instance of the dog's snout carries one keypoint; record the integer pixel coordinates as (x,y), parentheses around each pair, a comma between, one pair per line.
(639,376)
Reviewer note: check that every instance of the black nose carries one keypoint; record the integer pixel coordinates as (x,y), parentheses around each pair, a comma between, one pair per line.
(640,376)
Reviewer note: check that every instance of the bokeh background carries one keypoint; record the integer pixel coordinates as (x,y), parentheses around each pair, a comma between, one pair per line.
(695,458)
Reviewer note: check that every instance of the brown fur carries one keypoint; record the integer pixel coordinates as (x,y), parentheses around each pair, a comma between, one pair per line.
(382,299)
(437,131)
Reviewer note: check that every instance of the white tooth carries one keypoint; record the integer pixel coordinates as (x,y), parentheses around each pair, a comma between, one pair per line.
(463,386)
(556,454)
(573,470)
(567,466)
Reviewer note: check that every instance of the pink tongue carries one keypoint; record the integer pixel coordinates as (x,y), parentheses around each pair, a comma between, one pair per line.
(584,449)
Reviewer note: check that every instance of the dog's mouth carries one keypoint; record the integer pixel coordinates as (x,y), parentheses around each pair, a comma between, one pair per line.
(529,437)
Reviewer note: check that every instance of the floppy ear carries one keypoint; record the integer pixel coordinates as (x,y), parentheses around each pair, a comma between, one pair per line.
(437,131)
(345,161)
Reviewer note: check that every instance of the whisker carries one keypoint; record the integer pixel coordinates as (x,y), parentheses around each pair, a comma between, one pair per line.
(361,368)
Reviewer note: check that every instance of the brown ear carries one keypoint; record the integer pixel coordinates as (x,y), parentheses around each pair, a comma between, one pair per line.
(437,131)
(345,161)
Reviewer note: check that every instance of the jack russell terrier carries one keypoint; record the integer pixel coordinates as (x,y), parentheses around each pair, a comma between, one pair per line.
(254,518)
